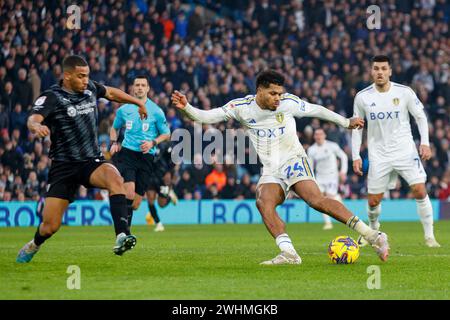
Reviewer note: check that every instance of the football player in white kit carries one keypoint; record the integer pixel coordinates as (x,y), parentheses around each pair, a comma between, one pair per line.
(269,119)
(324,154)
(386,105)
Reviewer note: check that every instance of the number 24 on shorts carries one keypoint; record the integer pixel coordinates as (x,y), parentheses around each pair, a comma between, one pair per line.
(291,170)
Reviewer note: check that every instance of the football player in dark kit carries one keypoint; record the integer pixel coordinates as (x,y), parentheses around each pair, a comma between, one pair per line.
(160,185)
(68,113)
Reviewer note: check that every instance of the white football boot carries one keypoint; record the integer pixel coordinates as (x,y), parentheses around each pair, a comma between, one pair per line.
(283,258)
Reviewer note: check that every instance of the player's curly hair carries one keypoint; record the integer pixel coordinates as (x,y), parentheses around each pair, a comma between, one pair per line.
(268,77)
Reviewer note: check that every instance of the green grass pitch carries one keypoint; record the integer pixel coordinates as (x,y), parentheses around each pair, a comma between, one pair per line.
(222,262)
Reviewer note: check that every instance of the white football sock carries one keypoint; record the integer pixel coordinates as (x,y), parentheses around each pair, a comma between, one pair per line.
(285,243)
(363,229)
(374,213)
(425,211)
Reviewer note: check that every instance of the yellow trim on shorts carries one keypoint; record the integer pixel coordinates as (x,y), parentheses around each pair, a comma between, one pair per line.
(307,167)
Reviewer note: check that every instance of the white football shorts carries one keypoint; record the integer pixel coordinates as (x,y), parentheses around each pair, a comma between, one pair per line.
(382,174)
(328,184)
(291,172)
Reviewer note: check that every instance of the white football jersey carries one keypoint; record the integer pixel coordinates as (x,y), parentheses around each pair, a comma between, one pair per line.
(325,158)
(389,134)
(273,133)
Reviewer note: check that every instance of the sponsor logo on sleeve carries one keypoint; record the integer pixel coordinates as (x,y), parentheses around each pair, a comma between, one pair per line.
(129,124)
(40,101)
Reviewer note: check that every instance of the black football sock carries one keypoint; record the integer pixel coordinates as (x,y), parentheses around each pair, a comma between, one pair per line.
(119,213)
(153,212)
(130,211)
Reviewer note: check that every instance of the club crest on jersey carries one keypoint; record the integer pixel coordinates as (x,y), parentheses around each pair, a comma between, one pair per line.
(145,127)
(71,112)
(129,124)
(396,101)
(280,117)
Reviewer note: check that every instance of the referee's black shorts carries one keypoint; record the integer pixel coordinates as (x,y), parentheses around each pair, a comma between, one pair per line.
(64,178)
(135,167)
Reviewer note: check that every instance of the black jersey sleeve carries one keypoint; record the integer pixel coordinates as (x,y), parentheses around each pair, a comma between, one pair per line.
(45,104)
(101,89)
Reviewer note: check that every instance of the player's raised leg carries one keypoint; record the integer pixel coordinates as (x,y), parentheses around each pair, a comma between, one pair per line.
(108,177)
(425,211)
(268,197)
(54,209)
(328,224)
(309,191)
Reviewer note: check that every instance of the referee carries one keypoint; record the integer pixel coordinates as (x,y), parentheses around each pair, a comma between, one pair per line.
(68,113)
(136,158)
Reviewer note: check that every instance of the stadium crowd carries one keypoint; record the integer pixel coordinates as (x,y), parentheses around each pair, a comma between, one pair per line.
(212,51)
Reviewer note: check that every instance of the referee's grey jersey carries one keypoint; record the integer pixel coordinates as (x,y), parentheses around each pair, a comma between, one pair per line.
(72,120)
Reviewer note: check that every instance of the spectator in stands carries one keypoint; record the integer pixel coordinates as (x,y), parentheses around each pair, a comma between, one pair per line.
(18,119)
(12,159)
(229,191)
(198,171)
(186,186)
(211,192)
(245,189)
(216,177)
(9,97)
(22,86)
(4,118)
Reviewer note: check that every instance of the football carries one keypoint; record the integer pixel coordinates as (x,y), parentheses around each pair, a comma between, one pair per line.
(343,250)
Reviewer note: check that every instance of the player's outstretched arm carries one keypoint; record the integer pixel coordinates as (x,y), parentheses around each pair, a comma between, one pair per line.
(34,124)
(215,115)
(117,95)
(318,111)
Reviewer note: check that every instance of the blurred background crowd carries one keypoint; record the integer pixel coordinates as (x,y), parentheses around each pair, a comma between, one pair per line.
(212,51)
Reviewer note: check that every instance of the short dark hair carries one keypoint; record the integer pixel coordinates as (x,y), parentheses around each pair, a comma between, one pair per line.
(268,77)
(73,61)
(381,58)
(141,76)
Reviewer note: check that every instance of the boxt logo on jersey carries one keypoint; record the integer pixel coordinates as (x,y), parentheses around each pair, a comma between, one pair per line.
(384,115)
(269,133)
